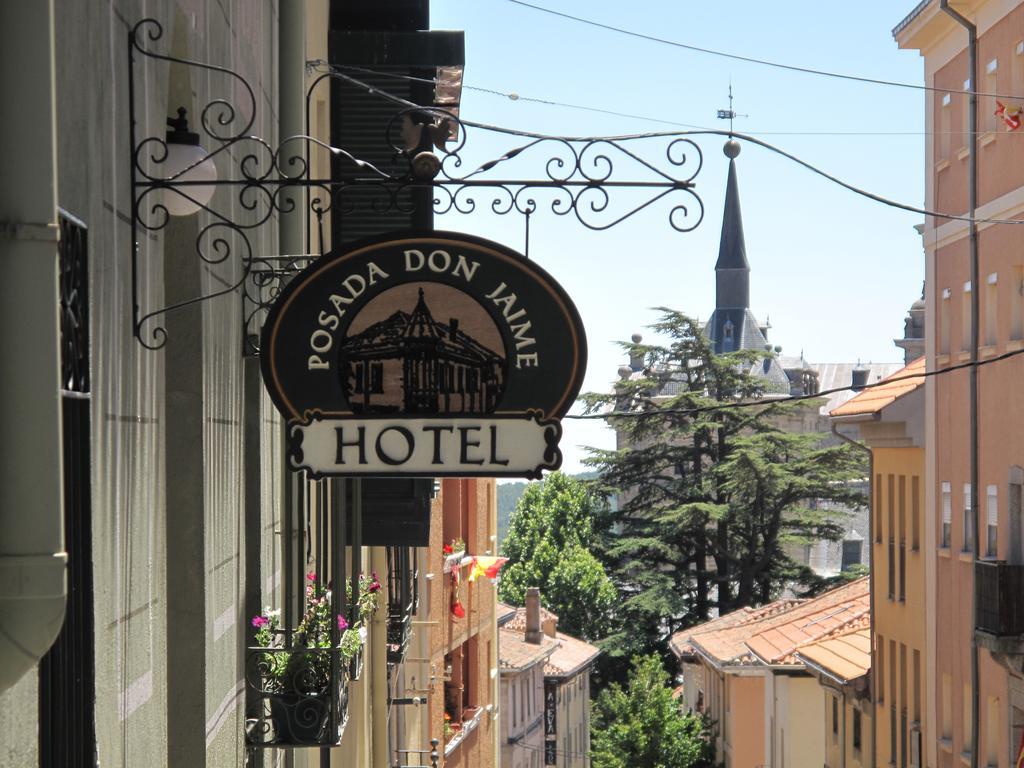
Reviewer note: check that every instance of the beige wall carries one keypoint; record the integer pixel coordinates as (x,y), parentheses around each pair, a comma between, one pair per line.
(900,628)
(573,721)
(522,713)
(795,703)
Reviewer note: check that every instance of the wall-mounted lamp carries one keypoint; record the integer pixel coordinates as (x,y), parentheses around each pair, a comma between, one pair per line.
(188,164)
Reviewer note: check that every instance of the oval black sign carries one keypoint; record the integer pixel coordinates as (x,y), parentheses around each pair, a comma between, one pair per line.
(422,325)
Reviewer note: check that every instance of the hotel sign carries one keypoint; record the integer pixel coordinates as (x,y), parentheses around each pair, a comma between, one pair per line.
(423,354)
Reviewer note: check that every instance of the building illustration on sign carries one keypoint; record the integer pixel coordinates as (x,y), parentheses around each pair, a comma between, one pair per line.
(415,364)
(373,383)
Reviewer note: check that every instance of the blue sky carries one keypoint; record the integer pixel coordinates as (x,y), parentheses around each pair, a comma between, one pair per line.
(834,272)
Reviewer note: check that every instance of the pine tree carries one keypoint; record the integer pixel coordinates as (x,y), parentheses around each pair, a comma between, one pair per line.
(709,495)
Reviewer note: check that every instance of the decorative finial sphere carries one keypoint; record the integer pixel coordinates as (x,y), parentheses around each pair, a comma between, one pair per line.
(625,372)
(637,338)
(731,149)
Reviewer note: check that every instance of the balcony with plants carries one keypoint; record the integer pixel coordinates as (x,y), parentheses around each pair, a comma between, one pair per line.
(298,676)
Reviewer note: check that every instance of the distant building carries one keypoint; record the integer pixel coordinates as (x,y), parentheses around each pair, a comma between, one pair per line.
(746,671)
(733,326)
(891,422)
(527,636)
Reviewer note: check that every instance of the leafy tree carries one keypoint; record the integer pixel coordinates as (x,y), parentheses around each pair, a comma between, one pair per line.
(548,544)
(642,725)
(710,490)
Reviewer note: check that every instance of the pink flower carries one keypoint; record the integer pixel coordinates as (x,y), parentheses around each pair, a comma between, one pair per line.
(311,576)
(260,621)
(342,624)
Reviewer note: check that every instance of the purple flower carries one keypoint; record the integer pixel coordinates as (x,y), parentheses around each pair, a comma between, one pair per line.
(342,624)
(260,621)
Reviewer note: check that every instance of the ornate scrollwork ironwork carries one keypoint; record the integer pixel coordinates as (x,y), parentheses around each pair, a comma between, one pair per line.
(302,696)
(581,178)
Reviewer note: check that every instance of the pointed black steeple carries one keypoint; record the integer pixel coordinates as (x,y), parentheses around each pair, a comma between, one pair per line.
(732,272)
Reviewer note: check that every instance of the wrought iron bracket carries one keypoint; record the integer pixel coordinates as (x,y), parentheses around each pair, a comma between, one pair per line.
(578,179)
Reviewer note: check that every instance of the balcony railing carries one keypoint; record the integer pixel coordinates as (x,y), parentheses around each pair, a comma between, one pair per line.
(998,587)
(302,695)
(403,597)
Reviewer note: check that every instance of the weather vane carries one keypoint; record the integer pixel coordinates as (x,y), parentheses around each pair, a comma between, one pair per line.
(729,114)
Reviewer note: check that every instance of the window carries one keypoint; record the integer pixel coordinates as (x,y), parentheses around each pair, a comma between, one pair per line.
(991,309)
(66,690)
(915,513)
(1017,304)
(903,538)
(968,520)
(992,520)
(515,711)
(891,517)
(945,125)
(917,686)
(878,509)
(947,706)
(992,731)
(966,333)
(835,718)
(947,515)
(856,730)
(879,683)
(944,322)
(965,709)
(990,121)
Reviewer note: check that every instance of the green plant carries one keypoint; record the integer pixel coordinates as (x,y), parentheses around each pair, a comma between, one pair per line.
(306,664)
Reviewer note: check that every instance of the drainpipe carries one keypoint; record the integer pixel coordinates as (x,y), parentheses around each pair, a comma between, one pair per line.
(972,164)
(871,580)
(291,78)
(32,557)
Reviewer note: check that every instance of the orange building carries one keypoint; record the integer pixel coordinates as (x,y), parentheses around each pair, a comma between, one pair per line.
(744,670)
(975,569)
(447,688)
(890,420)
(842,665)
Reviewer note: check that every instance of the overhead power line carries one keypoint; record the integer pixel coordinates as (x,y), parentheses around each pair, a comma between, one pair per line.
(790,398)
(322,65)
(335,72)
(752,60)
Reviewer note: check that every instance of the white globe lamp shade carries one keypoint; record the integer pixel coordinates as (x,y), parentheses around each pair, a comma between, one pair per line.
(184,152)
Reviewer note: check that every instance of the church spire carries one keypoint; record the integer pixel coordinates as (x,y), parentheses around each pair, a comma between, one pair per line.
(732,272)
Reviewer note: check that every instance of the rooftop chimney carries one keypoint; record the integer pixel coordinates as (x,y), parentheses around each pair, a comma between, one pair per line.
(453,327)
(533,631)
(860,378)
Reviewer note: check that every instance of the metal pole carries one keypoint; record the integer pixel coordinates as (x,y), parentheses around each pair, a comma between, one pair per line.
(972,165)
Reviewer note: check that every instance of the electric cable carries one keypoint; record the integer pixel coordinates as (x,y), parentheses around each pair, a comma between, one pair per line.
(677,134)
(696,410)
(751,60)
(320,65)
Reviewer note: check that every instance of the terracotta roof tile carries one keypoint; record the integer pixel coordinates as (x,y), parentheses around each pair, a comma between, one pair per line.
(503,612)
(812,621)
(570,657)
(518,621)
(515,654)
(846,656)
(874,399)
(775,630)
